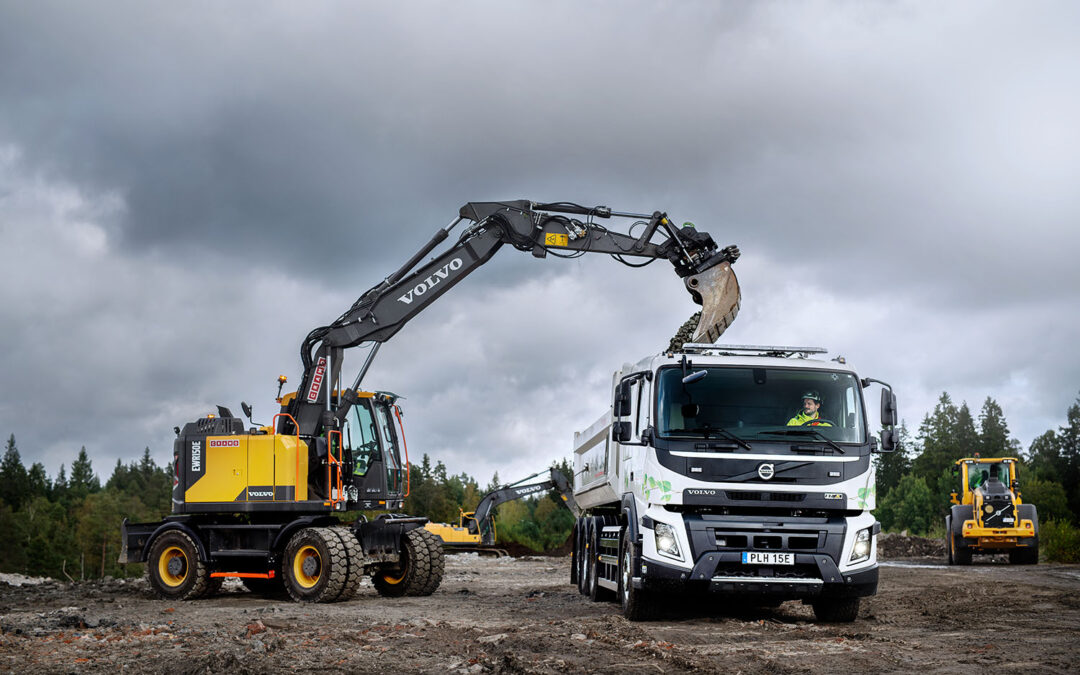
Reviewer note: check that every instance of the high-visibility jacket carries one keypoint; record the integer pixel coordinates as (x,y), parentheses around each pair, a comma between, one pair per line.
(802,418)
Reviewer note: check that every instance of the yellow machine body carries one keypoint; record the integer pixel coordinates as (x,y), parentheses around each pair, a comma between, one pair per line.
(977,535)
(251,468)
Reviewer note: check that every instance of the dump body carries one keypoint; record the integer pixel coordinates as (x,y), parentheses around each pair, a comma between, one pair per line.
(693,480)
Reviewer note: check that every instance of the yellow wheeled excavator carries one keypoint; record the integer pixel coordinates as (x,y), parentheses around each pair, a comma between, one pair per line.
(258,501)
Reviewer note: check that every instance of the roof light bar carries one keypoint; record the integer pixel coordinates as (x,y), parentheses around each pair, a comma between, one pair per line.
(771,350)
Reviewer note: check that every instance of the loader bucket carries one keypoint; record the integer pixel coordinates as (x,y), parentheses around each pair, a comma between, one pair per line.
(717,291)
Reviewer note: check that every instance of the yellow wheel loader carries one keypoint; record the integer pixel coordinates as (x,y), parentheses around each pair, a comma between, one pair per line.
(988,515)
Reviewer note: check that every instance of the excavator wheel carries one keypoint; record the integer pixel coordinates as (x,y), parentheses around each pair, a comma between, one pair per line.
(315,565)
(354,558)
(419,570)
(174,569)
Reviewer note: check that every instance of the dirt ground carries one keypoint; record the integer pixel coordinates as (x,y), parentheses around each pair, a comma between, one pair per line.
(522,615)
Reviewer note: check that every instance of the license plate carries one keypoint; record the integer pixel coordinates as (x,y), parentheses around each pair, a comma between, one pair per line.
(761,558)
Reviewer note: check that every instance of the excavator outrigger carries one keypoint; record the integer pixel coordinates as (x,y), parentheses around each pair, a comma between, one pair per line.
(475,530)
(257,503)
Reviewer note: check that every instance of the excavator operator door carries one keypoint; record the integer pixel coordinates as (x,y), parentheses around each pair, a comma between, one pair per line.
(372,442)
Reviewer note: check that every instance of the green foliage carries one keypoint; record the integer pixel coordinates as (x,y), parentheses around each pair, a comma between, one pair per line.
(14,481)
(909,506)
(1059,542)
(1048,497)
(892,466)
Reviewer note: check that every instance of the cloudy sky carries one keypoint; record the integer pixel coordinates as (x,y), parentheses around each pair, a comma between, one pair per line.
(186,189)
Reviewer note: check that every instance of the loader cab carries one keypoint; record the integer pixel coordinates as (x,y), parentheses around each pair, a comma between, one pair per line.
(373,437)
(984,476)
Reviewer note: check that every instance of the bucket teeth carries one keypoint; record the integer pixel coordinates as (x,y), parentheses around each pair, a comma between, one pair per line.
(717,291)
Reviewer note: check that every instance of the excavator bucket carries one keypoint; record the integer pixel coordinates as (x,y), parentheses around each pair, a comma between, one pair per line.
(717,291)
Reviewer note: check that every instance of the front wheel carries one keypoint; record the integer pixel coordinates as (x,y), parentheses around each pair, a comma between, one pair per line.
(419,569)
(836,610)
(174,569)
(637,603)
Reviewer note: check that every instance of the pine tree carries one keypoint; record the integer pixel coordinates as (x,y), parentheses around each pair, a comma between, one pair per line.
(40,485)
(83,481)
(1069,446)
(993,431)
(14,481)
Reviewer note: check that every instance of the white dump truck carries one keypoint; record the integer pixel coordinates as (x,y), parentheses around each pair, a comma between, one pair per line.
(739,471)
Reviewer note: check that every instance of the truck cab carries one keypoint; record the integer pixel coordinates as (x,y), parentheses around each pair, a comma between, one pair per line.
(707,475)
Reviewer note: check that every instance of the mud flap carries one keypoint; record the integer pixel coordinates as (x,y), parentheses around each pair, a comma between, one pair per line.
(717,291)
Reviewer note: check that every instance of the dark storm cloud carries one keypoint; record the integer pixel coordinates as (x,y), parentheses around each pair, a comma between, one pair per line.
(224,177)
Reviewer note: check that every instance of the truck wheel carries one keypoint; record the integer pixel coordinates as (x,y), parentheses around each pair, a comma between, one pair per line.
(315,565)
(581,557)
(574,556)
(637,603)
(836,610)
(418,571)
(174,569)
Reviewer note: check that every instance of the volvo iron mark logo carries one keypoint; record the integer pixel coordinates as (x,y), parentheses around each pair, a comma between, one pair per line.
(765,471)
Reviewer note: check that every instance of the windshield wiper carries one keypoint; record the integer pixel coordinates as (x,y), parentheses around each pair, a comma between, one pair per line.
(723,432)
(804,431)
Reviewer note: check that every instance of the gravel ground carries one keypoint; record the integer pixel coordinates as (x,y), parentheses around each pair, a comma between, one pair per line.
(522,615)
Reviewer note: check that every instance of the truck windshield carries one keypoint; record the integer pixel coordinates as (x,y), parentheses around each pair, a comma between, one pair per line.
(762,403)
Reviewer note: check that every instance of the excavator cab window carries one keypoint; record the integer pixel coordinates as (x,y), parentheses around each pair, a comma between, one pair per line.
(394,473)
(360,437)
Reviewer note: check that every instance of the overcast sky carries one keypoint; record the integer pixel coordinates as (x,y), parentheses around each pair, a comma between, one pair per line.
(186,189)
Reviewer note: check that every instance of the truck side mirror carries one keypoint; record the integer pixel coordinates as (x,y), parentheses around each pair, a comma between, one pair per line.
(621,432)
(888,440)
(622,399)
(888,408)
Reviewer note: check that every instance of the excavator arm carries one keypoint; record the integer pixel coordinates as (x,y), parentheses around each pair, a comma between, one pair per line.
(539,229)
(480,522)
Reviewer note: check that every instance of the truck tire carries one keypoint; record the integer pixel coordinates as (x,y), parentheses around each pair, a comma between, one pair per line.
(581,556)
(315,565)
(418,571)
(174,569)
(596,592)
(836,610)
(354,559)
(637,603)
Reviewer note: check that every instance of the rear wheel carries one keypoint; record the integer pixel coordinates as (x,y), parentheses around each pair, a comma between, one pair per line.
(315,565)
(354,559)
(174,569)
(419,569)
(949,539)
(581,556)
(1024,556)
(637,603)
(836,610)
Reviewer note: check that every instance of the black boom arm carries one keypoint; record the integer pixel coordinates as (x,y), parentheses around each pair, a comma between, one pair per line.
(537,228)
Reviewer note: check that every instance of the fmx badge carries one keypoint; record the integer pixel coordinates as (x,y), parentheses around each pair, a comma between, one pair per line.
(317,380)
(556,239)
(766,471)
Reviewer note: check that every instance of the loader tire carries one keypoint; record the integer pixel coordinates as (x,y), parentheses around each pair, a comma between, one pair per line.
(174,569)
(418,571)
(960,554)
(315,565)
(1024,556)
(949,540)
(836,610)
(354,558)
(638,604)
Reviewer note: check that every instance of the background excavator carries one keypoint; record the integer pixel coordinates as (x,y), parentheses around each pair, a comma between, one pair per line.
(257,502)
(475,530)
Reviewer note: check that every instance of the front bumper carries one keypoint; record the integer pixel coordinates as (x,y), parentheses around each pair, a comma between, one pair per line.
(723,572)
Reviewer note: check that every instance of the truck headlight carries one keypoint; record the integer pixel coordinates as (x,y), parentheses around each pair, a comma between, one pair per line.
(666,542)
(861,550)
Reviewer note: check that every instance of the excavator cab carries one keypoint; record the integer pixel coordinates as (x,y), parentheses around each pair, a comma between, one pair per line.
(373,441)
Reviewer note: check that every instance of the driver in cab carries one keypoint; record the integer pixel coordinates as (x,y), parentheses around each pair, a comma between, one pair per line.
(809,415)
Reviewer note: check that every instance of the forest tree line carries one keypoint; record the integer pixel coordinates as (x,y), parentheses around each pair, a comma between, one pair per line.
(68,526)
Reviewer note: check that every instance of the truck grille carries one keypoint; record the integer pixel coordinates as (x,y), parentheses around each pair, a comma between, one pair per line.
(750,496)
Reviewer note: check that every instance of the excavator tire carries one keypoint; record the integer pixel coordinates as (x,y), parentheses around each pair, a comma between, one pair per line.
(354,556)
(315,565)
(174,569)
(419,570)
